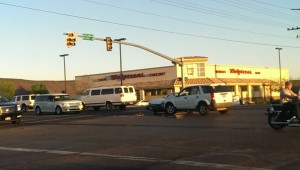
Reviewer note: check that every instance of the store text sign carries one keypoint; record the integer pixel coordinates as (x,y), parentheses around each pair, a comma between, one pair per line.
(130,76)
(237,71)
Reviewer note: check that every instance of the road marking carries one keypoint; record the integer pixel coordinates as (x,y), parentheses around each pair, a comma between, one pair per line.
(134,158)
(63,118)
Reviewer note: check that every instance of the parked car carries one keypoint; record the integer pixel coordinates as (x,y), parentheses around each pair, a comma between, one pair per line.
(142,103)
(108,97)
(202,98)
(157,105)
(26,101)
(10,111)
(57,103)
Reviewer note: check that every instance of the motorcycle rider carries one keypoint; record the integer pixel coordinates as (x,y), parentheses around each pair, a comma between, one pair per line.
(289,99)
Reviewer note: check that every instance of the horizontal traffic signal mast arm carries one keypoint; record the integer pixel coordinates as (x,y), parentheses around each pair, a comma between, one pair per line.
(138,46)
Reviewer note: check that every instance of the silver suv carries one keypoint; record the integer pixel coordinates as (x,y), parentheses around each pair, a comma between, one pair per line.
(202,98)
(25,101)
(57,103)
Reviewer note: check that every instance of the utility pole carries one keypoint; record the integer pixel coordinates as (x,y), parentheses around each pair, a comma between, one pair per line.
(279,64)
(121,67)
(65,75)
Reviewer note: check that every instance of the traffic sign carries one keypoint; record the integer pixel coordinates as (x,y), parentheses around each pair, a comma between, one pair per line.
(88,37)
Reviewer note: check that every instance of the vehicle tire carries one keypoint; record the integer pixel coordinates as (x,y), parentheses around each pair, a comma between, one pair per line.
(122,107)
(109,105)
(170,109)
(58,110)
(96,108)
(38,111)
(274,118)
(223,111)
(16,121)
(24,108)
(203,109)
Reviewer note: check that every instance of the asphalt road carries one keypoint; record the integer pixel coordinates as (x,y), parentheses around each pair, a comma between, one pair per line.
(135,139)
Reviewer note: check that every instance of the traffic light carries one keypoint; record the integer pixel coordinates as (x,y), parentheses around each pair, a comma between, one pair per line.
(71,39)
(108,44)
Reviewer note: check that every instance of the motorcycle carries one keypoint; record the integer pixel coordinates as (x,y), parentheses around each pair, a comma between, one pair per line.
(278,119)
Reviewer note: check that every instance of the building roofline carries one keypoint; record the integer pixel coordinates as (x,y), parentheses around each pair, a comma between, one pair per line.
(124,71)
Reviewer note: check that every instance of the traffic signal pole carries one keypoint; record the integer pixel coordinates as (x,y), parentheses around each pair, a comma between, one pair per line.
(174,61)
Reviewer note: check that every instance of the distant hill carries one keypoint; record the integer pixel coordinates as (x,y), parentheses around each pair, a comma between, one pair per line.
(24,86)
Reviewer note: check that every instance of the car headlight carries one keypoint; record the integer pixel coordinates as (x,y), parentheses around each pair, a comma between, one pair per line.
(18,107)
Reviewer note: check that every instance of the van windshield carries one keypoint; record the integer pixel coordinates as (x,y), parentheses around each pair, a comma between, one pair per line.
(62,98)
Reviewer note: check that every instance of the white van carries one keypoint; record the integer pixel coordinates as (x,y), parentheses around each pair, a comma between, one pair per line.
(120,96)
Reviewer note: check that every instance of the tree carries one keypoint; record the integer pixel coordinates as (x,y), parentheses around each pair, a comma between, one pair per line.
(83,84)
(39,88)
(7,89)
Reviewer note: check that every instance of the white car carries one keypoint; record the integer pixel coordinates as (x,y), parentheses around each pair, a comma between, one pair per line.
(157,105)
(108,97)
(25,101)
(57,103)
(142,103)
(202,98)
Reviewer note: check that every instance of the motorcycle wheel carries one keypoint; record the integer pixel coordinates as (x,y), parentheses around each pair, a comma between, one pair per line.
(274,118)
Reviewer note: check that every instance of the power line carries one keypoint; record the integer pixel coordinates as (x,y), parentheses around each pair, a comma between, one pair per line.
(145,28)
(219,13)
(185,20)
(265,3)
(249,7)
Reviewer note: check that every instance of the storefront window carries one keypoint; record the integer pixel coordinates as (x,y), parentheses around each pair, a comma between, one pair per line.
(195,69)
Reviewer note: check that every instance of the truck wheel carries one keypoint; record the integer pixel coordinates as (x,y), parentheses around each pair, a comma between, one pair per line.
(58,110)
(24,108)
(109,105)
(38,111)
(203,109)
(170,109)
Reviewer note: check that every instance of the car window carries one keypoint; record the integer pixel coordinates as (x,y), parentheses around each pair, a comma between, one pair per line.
(19,98)
(126,90)
(32,97)
(62,98)
(131,90)
(25,97)
(219,89)
(194,91)
(95,92)
(107,91)
(118,90)
(86,93)
(185,92)
(207,89)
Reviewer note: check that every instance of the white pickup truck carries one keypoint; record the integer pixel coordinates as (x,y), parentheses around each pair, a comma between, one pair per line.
(202,98)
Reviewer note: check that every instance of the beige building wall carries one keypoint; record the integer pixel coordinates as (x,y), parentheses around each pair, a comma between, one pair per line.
(237,71)
(130,77)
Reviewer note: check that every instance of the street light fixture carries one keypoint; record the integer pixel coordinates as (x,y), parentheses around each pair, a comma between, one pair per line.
(279,63)
(64,56)
(121,69)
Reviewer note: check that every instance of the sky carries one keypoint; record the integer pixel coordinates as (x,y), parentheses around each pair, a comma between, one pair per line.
(234,32)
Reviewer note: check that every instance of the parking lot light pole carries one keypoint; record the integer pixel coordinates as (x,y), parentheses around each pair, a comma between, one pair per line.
(121,68)
(279,63)
(65,75)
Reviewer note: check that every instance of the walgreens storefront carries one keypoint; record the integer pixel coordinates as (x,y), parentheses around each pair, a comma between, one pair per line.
(246,81)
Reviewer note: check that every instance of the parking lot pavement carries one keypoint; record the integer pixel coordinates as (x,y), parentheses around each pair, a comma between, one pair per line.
(135,139)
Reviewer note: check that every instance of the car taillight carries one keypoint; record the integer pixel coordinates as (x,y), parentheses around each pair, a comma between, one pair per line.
(121,95)
(212,95)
